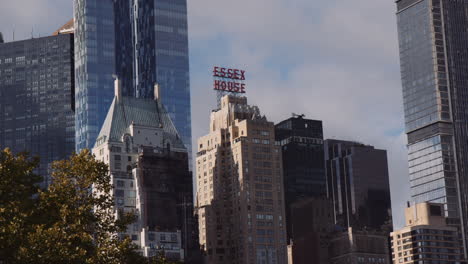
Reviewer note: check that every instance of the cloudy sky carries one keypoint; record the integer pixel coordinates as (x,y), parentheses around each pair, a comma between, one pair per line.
(334,60)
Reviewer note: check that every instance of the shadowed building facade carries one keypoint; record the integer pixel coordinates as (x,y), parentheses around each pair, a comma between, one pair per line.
(358,184)
(433,58)
(37,98)
(301,143)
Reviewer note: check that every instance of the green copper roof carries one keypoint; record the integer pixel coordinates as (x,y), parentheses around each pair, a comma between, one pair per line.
(142,112)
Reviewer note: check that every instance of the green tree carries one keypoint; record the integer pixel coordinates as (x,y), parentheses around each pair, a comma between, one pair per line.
(73,221)
(77,222)
(18,198)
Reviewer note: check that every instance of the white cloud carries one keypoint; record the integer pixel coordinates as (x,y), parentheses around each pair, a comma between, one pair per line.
(334,60)
(41,16)
(337,62)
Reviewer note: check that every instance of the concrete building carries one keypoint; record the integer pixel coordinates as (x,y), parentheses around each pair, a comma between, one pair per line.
(303,162)
(359,247)
(149,169)
(239,178)
(37,98)
(426,237)
(358,184)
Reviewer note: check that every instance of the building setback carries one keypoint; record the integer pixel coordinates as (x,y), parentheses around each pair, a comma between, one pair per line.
(144,42)
(433,59)
(303,162)
(358,184)
(357,246)
(426,237)
(149,169)
(37,98)
(240,201)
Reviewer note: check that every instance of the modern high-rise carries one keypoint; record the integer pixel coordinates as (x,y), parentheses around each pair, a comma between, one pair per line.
(426,237)
(37,98)
(152,47)
(358,184)
(240,202)
(434,73)
(144,43)
(303,162)
(148,165)
(94,67)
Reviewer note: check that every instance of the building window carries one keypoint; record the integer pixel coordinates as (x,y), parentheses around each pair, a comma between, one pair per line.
(120,183)
(119,193)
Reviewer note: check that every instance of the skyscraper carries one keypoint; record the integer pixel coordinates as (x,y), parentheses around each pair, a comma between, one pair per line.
(147,43)
(149,170)
(94,67)
(239,178)
(152,47)
(358,184)
(303,161)
(37,98)
(433,57)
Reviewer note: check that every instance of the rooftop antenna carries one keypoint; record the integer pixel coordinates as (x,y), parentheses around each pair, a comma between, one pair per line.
(32,32)
(13,33)
(298,116)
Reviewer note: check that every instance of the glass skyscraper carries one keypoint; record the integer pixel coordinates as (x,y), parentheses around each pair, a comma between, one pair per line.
(94,67)
(150,46)
(433,45)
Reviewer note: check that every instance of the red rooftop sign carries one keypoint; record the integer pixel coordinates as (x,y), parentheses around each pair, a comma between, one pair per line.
(229,80)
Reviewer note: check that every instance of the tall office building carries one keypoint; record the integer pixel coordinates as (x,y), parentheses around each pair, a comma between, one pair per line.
(94,67)
(426,237)
(433,57)
(303,162)
(152,47)
(37,98)
(239,187)
(143,42)
(358,184)
(149,170)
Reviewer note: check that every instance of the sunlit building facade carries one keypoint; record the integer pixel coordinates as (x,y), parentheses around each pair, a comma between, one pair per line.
(143,42)
(240,202)
(426,237)
(148,164)
(94,67)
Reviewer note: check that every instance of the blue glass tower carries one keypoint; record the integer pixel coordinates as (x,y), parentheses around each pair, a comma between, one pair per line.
(94,67)
(152,48)
(149,46)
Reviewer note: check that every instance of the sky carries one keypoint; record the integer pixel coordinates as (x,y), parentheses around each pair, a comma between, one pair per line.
(335,61)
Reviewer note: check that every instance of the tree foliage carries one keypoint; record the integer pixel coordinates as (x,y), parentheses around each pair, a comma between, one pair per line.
(72,221)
